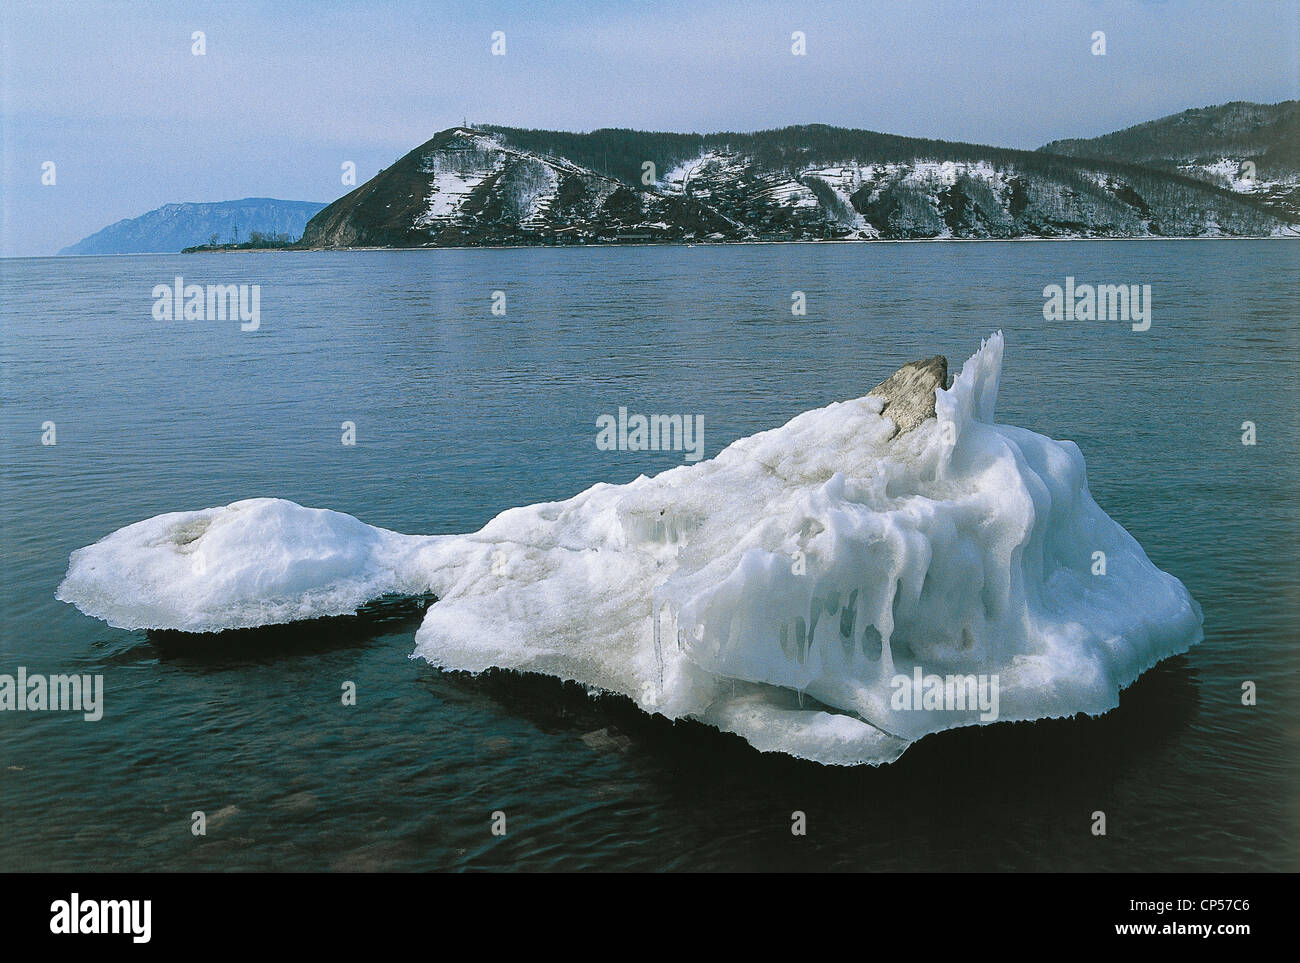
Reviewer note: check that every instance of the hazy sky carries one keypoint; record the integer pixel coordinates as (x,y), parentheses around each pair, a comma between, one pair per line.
(287,91)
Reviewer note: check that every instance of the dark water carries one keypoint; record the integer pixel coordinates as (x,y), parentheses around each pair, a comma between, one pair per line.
(461,414)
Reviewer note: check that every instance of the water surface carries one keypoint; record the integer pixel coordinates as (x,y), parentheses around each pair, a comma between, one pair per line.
(461,414)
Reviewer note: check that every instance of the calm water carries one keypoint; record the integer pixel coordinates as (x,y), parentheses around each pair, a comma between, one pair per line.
(461,414)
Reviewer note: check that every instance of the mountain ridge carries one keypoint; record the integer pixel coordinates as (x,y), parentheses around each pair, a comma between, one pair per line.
(171,227)
(476,185)
(1251,149)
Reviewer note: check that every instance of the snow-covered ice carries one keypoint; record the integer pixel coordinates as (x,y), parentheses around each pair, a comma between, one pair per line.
(779,590)
(262,561)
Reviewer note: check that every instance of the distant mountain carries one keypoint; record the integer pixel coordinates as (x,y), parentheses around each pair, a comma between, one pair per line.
(497,185)
(175,226)
(1215,144)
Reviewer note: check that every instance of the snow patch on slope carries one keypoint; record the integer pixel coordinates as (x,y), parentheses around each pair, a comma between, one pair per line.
(450,186)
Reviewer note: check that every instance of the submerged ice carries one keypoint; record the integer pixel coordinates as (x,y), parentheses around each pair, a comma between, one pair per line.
(793,589)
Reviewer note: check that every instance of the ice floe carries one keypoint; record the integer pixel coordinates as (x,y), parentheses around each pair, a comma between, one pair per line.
(795,589)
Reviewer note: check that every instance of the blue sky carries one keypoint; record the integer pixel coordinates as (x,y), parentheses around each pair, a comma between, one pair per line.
(288,91)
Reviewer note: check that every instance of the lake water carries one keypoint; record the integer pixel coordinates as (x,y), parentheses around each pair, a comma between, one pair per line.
(461,414)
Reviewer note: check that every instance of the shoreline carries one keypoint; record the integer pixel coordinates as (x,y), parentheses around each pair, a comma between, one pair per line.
(645,244)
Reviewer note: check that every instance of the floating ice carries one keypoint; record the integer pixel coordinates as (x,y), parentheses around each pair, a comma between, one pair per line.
(261,561)
(791,589)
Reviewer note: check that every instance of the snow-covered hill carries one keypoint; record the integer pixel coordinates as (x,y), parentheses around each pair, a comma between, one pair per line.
(475,186)
(1252,149)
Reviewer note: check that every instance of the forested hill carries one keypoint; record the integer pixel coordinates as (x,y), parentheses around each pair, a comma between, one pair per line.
(499,185)
(1253,149)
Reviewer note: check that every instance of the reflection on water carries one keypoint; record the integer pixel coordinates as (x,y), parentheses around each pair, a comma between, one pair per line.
(271,642)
